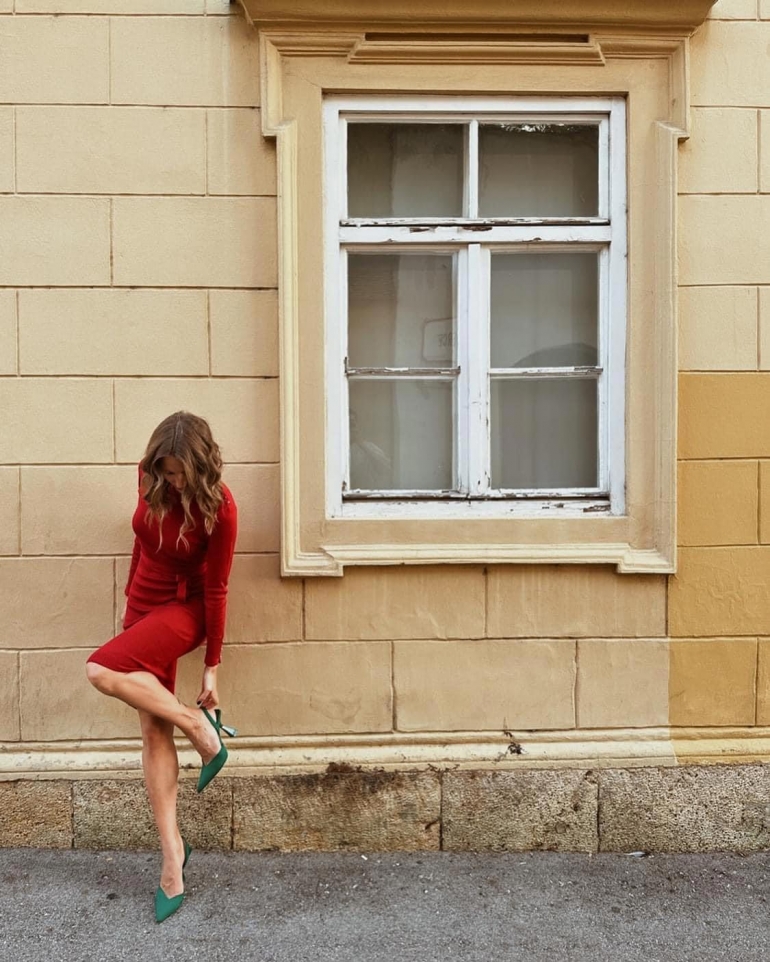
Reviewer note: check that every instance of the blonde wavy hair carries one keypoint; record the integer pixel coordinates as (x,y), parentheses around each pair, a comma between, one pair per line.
(188,438)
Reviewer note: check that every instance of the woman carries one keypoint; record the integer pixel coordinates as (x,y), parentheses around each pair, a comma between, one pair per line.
(185,525)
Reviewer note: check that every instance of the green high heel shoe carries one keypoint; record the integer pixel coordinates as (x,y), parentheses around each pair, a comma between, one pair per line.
(212,768)
(165,906)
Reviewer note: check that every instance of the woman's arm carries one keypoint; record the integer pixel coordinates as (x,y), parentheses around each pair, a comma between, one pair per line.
(219,559)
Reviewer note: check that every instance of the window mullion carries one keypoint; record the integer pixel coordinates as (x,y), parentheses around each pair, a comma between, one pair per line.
(345,404)
(616,294)
(602,386)
(472,186)
(477,341)
(461,406)
(604,169)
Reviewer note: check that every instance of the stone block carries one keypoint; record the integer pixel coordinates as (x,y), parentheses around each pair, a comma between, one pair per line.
(763,683)
(52,421)
(55,60)
(110,150)
(764,502)
(742,255)
(36,814)
(705,167)
(10,729)
(256,489)
(484,685)
(734,10)
(196,62)
(195,241)
(243,414)
(102,498)
(107,332)
(55,602)
(718,502)
(622,683)
(262,606)
(121,7)
(302,689)
(8,341)
(9,511)
(437,601)
(720,592)
(712,682)
(574,601)
(724,415)
(764,323)
(764,151)
(244,333)
(718,329)
(117,815)
(728,64)
(552,811)
(7,169)
(364,811)
(50,241)
(59,704)
(719,808)
(240,159)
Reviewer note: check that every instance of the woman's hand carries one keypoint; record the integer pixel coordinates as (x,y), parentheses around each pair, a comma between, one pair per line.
(208,697)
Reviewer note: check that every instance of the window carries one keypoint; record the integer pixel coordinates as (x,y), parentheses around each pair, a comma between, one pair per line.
(472,369)
(476,334)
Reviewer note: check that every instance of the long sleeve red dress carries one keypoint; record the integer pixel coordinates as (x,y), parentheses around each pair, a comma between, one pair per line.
(177,592)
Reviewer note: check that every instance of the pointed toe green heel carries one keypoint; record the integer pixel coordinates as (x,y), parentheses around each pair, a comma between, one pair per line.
(212,768)
(165,906)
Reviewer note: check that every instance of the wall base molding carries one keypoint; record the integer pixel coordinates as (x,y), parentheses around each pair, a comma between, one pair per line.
(613,748)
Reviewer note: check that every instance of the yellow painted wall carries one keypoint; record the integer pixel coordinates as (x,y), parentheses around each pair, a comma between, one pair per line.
(138,276)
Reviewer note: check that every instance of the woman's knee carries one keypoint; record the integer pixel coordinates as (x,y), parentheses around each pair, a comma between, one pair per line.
(99,676)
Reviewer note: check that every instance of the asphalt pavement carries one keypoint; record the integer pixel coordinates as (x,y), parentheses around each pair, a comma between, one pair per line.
(78,906)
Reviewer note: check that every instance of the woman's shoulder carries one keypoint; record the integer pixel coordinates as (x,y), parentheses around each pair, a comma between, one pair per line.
(227,508)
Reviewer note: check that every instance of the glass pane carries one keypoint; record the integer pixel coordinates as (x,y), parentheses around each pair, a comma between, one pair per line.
(538,170)
(405,170)
(401,435)
(401,310)
(544,310)
(544,433)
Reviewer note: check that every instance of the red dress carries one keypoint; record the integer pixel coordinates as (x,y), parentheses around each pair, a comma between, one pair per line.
(177,593)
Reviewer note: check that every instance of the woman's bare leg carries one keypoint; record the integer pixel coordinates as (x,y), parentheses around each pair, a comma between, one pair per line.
(161,773)
(143,691)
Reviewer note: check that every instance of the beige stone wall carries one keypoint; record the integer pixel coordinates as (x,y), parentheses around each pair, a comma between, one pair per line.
(138,276)
(719,602)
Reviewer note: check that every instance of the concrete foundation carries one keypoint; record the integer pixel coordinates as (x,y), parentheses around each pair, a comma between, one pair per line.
(693,809)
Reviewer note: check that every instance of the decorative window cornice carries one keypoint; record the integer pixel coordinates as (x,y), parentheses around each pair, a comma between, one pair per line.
(677,15)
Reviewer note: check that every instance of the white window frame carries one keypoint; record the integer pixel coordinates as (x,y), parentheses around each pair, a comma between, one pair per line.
(605,234)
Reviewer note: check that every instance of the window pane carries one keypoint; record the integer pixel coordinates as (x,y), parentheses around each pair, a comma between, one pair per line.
(538,170)
(401,434)
(405,170)
(544,433)
(544,310)
(401,310)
